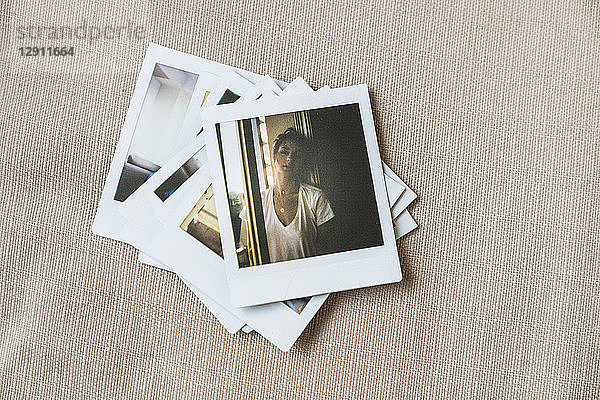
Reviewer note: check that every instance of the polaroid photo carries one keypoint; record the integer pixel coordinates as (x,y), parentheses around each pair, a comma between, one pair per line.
(332,230)
(169,83)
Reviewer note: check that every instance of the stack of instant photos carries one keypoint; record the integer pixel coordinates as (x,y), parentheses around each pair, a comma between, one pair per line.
(262,196)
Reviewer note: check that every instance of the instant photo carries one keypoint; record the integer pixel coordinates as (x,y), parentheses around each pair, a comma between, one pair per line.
(301,186)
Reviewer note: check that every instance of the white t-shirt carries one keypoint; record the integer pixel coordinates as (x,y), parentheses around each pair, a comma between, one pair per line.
(298,239)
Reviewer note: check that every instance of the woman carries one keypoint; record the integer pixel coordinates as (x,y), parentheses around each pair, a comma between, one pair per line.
(295,212)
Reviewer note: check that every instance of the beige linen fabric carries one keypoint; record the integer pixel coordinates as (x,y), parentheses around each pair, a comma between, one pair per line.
(488,109)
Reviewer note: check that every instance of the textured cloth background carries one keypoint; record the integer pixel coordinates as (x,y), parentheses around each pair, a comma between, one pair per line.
(488,109)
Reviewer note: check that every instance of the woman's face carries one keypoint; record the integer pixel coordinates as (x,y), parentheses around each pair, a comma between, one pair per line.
(288,159)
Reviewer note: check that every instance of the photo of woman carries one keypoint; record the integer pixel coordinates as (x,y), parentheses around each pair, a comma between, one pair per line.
(295,213)
(299,185)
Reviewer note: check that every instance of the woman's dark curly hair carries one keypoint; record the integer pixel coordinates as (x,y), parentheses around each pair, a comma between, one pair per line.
(292,135)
